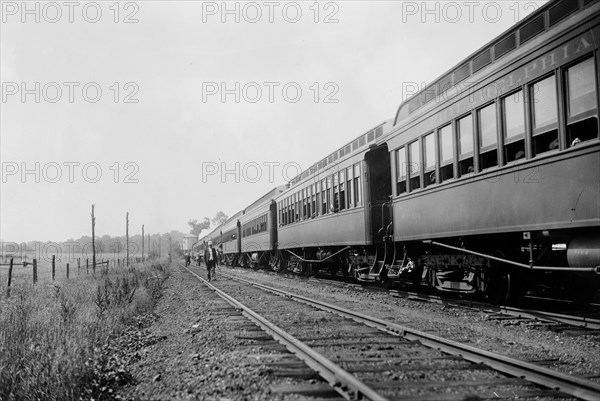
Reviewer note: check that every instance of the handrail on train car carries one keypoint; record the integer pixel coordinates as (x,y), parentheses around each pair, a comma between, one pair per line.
(510,262)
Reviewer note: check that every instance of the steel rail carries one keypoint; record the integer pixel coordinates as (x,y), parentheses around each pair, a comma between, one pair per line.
(575,321)
(343,382)
(574,386)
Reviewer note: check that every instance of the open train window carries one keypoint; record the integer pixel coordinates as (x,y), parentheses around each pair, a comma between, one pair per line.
(401,171)
(293,209)
(309,197)
(544,116)
(446,153)
(488,137)
(336,193)
(465,145)
(313,207)
(327,199)
(349,186)
(323,197)
(582,108)
(342,189)
(317,199)
(429,160)
(357,185)
(414,165)
(514,126)
(304,191)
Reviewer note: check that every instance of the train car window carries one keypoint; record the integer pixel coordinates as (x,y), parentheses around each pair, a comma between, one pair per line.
(324,196)
(306,203)
(545,115)
(317,198)
(293,209)
(415,165)
(465,145)
(561,10)
(446,153)
(513,118)
(401,171)
(349,187)
(582,108)
(488,139)
(298,206)
(303,204)
(531,29)
(312,210)
(357,185)
(342,189)
(336,193)
(327,194)
(429,160)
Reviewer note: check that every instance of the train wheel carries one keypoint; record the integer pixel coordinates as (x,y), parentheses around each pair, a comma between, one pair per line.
(498,287)
(505,287)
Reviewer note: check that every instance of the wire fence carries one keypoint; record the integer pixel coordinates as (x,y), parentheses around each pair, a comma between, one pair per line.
(24,271)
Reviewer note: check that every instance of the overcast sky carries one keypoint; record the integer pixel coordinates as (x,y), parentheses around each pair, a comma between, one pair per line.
(144,114)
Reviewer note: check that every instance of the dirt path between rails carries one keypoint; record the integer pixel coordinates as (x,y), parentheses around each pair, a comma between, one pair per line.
(197,356)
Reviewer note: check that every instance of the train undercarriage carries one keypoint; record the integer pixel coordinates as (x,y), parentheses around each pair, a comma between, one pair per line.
(556,265)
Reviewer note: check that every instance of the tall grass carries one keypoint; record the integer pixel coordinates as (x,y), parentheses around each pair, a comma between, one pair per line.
(52,334)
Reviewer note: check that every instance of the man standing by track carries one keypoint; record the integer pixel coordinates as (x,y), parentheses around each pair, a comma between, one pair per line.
(210,258)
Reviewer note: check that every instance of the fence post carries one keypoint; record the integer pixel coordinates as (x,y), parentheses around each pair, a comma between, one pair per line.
(78,265)
(87,266)
(34,271)
(53,266)
(9,282)
(67,271)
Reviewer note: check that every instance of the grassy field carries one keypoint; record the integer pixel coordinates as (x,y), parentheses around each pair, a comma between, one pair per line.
(52,334)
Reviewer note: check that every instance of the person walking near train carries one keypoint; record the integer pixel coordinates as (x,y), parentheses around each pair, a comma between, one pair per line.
(210,258)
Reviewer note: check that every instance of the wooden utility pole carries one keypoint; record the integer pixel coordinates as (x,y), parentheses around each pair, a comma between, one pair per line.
(142,243)
(9,281)
(127,237)
(93,240)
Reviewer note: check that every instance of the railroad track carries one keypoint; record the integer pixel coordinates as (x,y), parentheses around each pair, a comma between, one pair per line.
(556,321)
(364,357)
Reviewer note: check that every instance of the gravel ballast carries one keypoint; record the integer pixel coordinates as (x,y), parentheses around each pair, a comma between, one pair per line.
(198,351)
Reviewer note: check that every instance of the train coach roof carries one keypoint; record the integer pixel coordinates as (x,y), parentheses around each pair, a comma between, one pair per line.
(503,44)
(231,221)
(265,198)
(359,144)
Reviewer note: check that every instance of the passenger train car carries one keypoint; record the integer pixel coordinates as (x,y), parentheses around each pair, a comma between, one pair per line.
(499,184)
(487,181)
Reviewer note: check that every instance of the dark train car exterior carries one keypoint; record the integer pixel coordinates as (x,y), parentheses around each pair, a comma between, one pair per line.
(332,210)
(498,162)
(230,240)
(258,232)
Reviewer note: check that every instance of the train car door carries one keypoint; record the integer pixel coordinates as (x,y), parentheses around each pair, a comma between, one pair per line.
(379,187)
